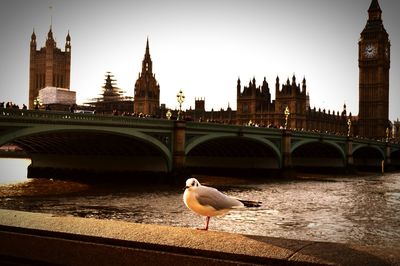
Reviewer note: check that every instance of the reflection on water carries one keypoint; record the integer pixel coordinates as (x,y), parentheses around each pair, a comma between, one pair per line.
(361,210)
(13,170)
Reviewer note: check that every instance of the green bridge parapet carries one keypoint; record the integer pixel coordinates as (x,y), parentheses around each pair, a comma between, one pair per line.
(175,141)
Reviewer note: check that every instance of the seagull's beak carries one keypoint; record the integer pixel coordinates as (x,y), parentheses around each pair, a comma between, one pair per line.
(185,187)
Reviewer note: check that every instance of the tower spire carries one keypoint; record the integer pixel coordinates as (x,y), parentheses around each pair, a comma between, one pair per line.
(147,48)
(374,11)
(147,64)
(374,6)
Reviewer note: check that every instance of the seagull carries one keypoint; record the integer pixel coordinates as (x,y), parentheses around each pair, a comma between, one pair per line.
(208,201)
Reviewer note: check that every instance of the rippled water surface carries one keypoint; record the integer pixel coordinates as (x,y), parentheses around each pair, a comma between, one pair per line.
(363,210)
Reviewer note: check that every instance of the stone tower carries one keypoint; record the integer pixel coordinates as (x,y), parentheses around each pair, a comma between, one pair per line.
(374,64)
(294,97)
(253,103)
(49,66)
(147,90)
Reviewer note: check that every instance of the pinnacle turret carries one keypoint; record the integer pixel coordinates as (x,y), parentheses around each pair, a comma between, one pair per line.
(33,36)
(50,33)
(147,63)
(33,40)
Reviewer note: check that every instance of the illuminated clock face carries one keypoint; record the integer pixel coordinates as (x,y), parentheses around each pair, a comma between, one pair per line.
(387,51)
(370,51)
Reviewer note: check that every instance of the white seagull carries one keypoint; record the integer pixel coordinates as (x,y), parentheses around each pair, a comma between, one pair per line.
(208,201)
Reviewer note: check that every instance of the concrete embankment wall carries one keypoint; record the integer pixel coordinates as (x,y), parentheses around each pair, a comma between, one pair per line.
(43,239)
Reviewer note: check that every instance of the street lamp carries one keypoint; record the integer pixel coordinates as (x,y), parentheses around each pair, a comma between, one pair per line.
(168,114)
(180,97)
(287,113)
(348,127)
(387,134)
(37,103)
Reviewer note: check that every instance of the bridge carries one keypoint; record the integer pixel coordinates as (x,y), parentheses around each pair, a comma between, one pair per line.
(62,144)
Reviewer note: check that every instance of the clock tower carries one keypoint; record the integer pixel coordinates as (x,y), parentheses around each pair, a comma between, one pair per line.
(374,64)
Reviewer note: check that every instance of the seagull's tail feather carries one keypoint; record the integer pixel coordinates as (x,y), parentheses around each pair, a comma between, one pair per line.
(250,203)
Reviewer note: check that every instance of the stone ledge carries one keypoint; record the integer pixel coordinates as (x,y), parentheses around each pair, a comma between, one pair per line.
(27,238)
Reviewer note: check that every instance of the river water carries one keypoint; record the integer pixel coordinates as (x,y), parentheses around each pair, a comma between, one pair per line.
(361,209)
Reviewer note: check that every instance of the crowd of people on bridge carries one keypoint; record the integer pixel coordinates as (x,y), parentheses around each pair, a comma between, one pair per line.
(11,105)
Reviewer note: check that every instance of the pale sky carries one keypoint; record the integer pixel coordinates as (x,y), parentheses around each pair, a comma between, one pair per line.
(201,47)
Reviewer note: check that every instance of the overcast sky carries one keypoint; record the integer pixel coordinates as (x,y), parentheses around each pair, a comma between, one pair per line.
(201,47)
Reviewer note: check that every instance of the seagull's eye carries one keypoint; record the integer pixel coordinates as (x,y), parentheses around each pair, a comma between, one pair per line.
(193,184)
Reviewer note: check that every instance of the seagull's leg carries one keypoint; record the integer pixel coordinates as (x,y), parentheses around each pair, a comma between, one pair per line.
(206,227)
(207,221)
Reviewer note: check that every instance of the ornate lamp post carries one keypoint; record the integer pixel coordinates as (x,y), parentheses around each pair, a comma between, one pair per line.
(287,113)
(180,97)
(37,103)
(387,134)
(168,114)
(348,127)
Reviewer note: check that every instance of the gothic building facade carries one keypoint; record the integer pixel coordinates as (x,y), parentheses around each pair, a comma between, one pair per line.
(254,103)
(49,66)
(199,113)
(255,106)
(147,89)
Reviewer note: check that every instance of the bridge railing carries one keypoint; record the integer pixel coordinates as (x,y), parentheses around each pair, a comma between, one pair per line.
(41,116)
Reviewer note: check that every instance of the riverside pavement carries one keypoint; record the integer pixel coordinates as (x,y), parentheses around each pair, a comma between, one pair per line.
(36,238)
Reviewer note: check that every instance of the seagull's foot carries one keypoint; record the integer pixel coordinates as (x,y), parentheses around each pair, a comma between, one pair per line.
(206,225)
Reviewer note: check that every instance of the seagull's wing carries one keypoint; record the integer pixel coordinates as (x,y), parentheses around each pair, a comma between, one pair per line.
(208,196)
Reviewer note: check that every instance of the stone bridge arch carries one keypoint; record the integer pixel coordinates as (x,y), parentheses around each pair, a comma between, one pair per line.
(229,150)
(368,156)
(69,137)
(316,153)
(395,158)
